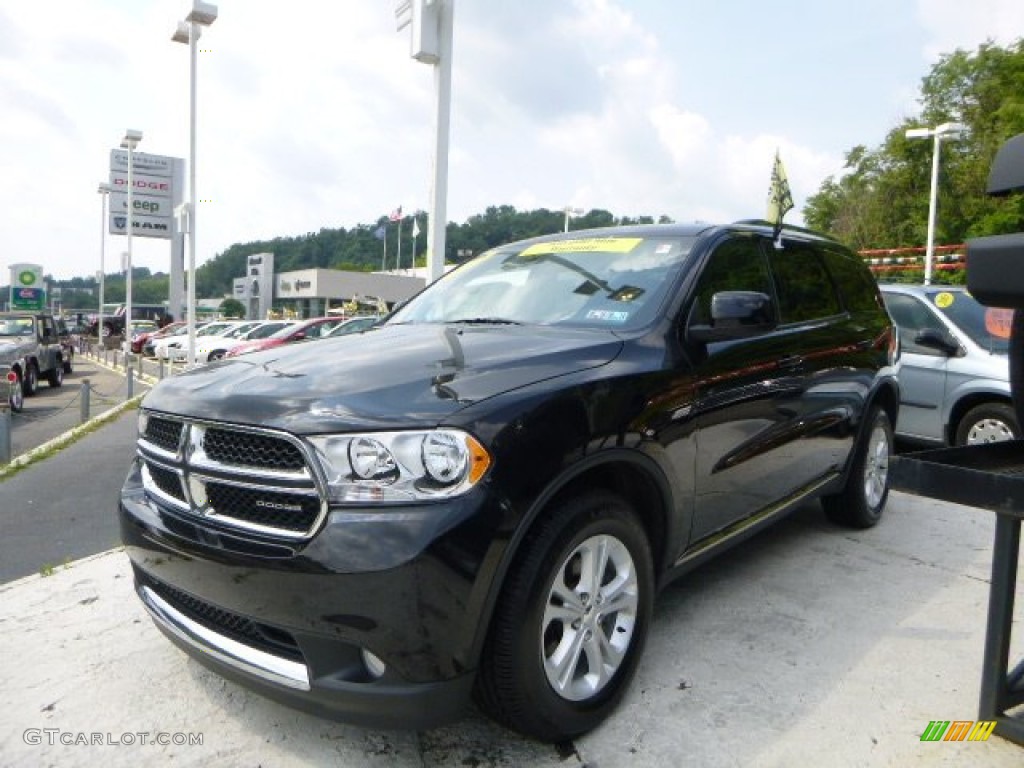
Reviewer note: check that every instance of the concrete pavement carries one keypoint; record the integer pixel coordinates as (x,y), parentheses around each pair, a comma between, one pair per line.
(808,646)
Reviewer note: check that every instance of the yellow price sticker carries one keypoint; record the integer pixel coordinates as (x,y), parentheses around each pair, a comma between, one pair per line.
(944,299)
(588,245)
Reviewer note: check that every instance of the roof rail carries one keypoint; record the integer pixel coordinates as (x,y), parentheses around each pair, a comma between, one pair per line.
(785,227)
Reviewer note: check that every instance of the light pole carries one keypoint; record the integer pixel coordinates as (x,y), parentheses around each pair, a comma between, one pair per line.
(570,211)
(130,142)
(189,31)
(953,131)
(104,190)
(431,29)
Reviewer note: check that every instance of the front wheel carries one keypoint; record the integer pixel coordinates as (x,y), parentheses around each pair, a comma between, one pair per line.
(17,396)
(862,500)
(30,380)
(571,622)
(987,423)
(55,376)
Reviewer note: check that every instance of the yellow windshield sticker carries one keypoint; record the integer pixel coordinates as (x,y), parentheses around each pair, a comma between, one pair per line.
(589,245)
(944,299)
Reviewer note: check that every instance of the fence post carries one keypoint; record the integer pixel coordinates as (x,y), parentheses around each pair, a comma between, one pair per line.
(83,413)
(5,433)
(129,373)
(161,376)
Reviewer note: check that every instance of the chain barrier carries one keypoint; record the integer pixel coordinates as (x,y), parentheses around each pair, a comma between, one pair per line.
(26,416)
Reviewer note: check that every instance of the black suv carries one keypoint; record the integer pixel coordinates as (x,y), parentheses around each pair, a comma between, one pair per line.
(483,494)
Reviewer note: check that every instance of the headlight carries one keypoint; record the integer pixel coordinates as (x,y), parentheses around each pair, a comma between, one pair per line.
(400,466)
(143,421)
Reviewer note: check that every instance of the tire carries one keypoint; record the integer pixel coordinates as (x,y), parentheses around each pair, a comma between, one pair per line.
(543,607)
(55,376)
(862,501)
(30,380)
(217,354)
(17,397)
(988,423)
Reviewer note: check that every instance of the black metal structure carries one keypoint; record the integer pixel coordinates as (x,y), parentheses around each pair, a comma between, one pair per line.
(991,476)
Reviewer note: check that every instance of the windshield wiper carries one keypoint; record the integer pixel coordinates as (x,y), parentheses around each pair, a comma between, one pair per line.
(486,321)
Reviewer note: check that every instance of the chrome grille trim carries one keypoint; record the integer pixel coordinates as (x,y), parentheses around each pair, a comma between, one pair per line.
(288,491)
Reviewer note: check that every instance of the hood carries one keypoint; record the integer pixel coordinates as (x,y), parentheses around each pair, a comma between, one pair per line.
(14,347)
(388,377)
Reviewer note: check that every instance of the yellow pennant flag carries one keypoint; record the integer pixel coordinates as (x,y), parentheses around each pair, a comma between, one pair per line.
(780,198)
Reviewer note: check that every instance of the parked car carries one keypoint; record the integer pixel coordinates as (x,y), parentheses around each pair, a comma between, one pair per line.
(141,340)
(954,371)
(140,328)
(214,346)
(179,338)
(352,325)
(485,492)
(313,328)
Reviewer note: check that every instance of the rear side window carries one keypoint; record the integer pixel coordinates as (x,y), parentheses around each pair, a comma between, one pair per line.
(803,286)
(856,283)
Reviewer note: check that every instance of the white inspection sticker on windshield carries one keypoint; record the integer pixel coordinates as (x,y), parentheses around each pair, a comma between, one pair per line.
(608,315)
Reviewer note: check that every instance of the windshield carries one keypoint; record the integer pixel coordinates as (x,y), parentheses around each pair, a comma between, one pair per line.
(988,327)
(269,329)
(598,282)
(239,331)
(17,326)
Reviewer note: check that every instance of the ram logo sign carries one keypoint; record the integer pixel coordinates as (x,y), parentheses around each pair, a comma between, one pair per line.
(958,730)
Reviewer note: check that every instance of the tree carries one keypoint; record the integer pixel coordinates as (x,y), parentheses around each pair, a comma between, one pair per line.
(232,308)
(882,199)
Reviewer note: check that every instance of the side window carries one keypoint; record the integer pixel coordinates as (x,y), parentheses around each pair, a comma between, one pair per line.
(911,317)
(804,289)
(736,265)
(856,283)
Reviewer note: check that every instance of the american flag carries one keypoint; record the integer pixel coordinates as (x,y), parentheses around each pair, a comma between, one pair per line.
(396,215)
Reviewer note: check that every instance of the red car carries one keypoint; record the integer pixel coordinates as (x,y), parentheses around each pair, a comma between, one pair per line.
(309,329)
(139,339)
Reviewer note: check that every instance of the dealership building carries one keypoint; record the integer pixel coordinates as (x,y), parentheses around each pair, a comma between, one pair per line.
(314,292)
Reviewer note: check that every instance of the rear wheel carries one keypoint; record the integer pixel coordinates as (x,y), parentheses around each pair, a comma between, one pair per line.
(987,423)
(862,500)
(571,622)
(55,376)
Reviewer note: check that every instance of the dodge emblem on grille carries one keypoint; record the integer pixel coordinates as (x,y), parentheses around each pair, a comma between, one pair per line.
(197,490)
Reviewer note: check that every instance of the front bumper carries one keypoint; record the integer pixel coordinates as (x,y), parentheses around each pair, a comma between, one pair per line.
(295,621)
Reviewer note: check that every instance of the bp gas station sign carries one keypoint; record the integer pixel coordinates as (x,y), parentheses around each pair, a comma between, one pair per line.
(28,291)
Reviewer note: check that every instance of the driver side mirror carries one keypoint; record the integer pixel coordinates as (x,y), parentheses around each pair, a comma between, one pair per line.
(736,315)
(933,338)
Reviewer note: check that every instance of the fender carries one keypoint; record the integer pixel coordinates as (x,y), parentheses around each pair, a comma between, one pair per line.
(674,525)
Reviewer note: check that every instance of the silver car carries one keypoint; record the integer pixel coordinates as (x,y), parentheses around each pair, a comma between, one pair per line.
(954,370)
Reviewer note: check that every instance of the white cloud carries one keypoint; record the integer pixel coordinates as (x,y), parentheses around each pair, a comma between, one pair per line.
(953,24)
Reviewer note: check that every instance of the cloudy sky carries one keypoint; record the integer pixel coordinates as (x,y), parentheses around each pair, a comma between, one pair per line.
(312,114)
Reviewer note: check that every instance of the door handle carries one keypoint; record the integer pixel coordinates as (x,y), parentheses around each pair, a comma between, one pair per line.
(790,361)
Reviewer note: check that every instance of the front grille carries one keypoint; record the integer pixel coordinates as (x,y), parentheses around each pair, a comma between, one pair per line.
(164,433)
(166,480)
(288,511)
(253,480)
(249,449)
(253,634)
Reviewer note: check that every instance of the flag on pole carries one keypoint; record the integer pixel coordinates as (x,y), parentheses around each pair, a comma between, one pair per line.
(780,198)
(379,233)
(415,227)
(396,215)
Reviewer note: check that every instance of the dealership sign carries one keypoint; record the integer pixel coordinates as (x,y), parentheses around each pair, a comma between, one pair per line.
(153,194)
(27,288)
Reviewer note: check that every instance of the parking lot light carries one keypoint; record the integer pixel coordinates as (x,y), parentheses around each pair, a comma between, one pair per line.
(952,131)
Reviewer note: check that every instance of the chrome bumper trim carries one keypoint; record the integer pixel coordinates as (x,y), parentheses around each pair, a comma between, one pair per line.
(231,652)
